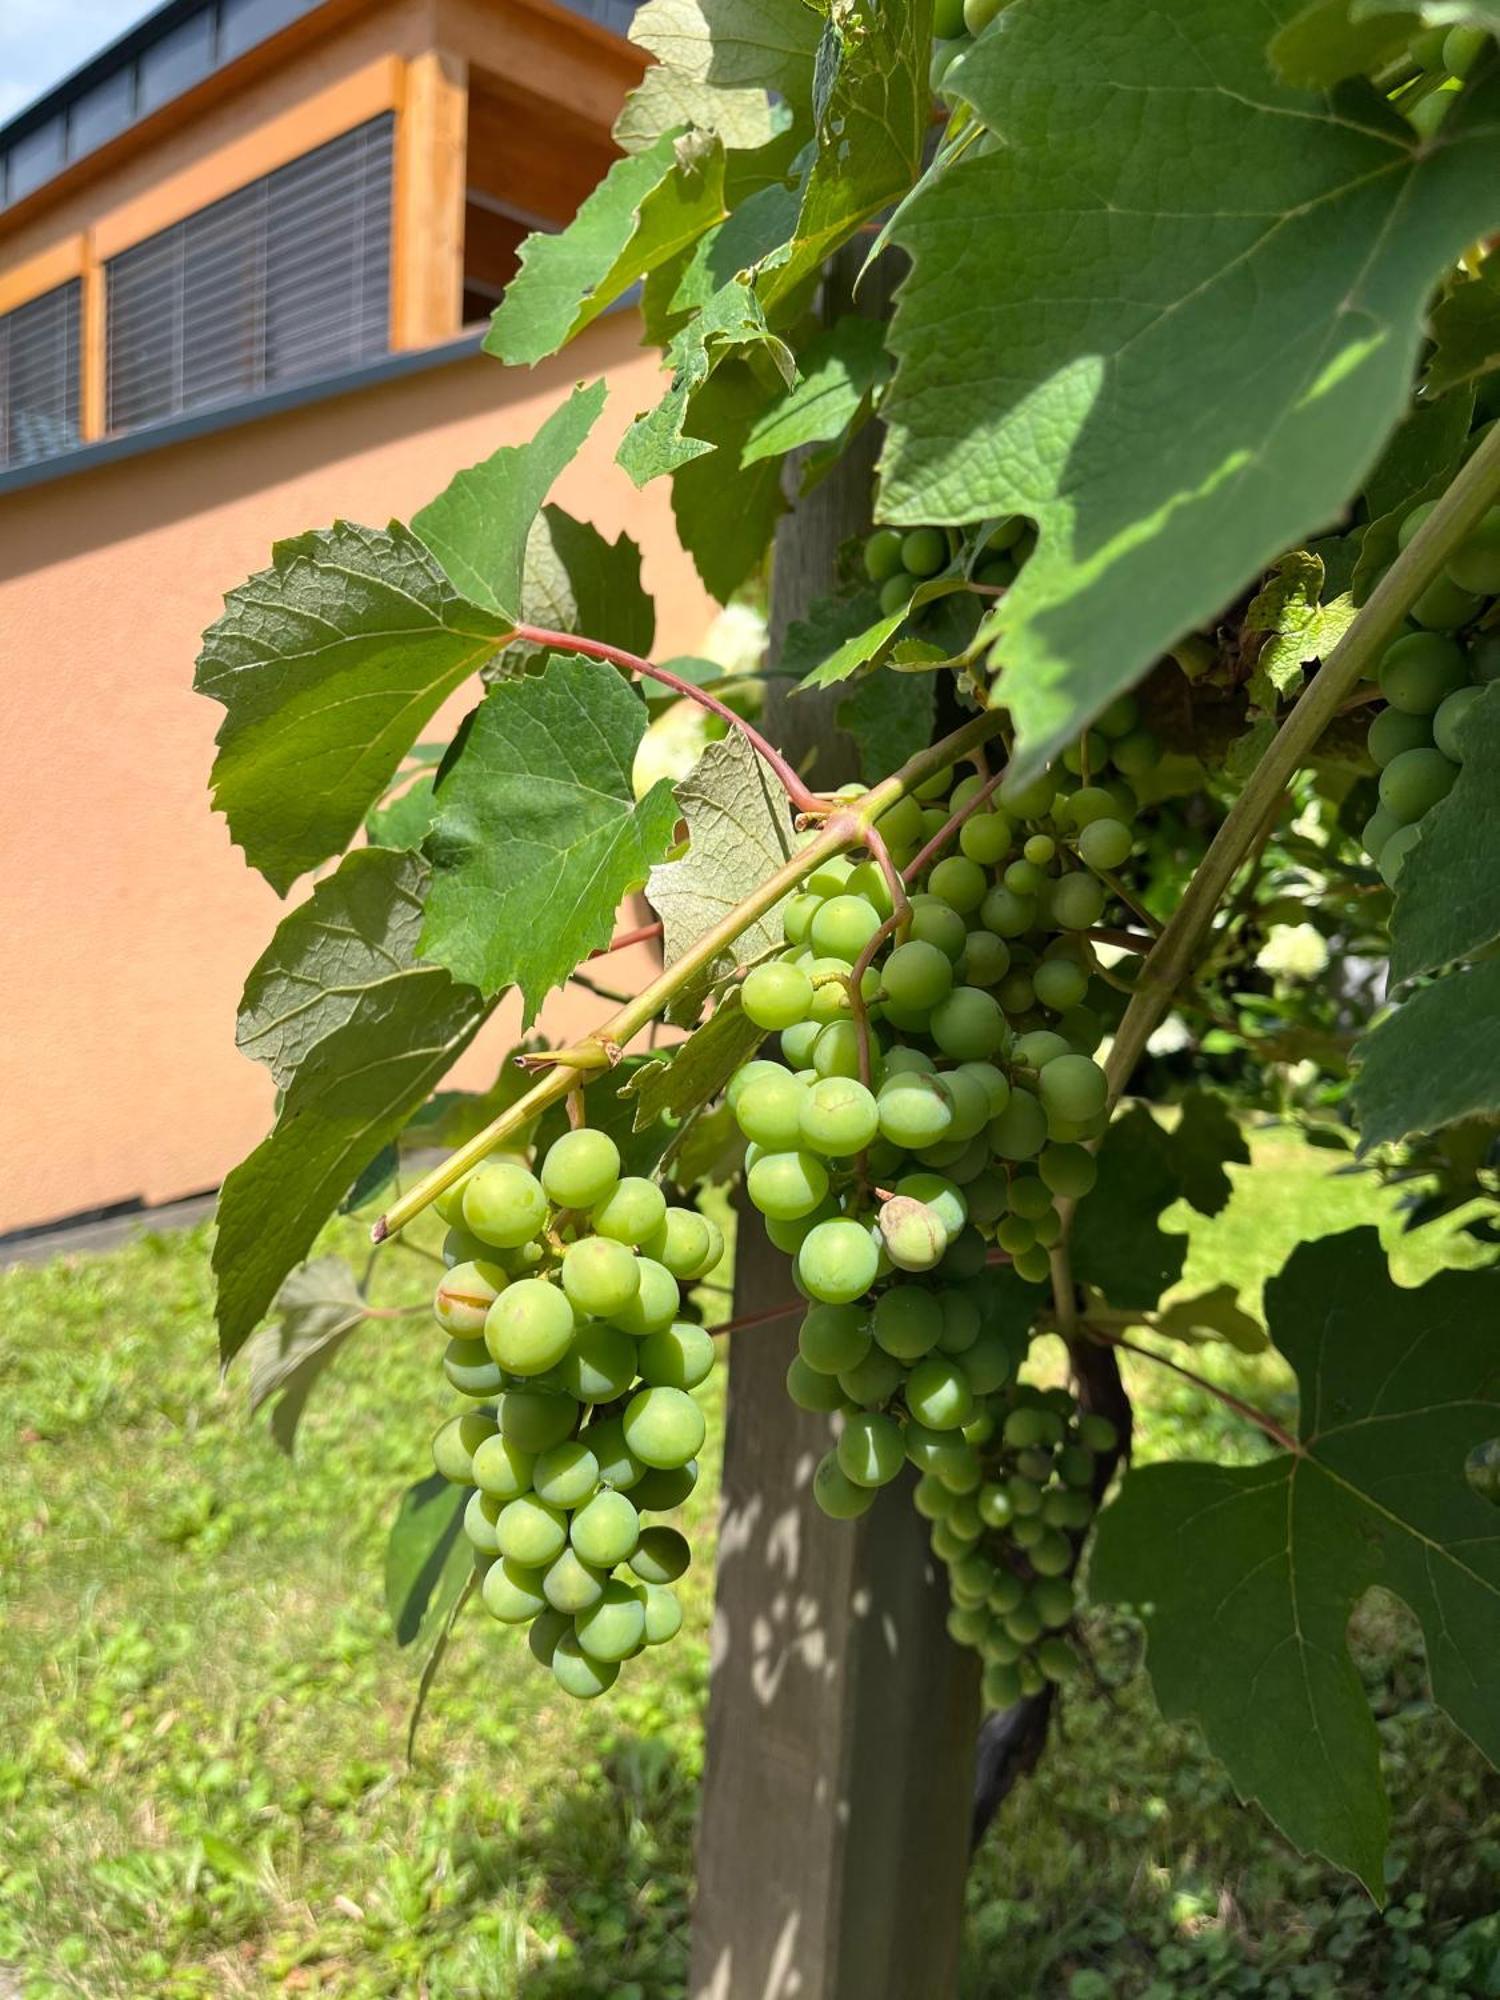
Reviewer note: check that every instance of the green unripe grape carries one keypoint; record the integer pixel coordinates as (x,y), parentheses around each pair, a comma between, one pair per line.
(504,1205)
(1462,48)
(570,1585)
(580,1168)
(1087,754)
(1014,1234)
(577,1674)
(842,927)
(1069,1171)
(615,1626)
(530,1326)
(1001,1685)
(512,1593)
(533,1419)
(1024,1427)
(1034,1265)
(959,1467)
(606,1531)
(1090,805)
(715,1254)
(463,1297)
(871,1450)
(655,1304)
(661,1555)
(1413,783)
(1073,1087)
(450,1203)
(1028,1531)
(797,916)
(1025,877)
(1122,715)
(1420,670)
(599,1276)
(633,1211)
(565,1474)
(1071,1509)
(1016,993)
(985,838)
(994,1508)
(1136,754)
(913,1234)
(1041,1046)
(969,1024)
(895,594)
(1029,798)
(961,1322)
(1025,1497)
(1075,1465)
(1020,1131)
(966,1624)
(1444,606)
(872,1381)
(988,1363)
(836,1051)
(481,1513)
(832,1338)
(964,1515)
(1057,1508)
(917,975)
(682,1244)
(931,1497)
(1052,1555)
(1449,718)
(938,1394)
(1484,657)
(925,550)
(502,1469)
(462,1246)
(1393,854)
(958,882)
(770,1112)
(1418,516)
(1378,828)
(914,1110)
(836,1493)
(1007,914)
(883,555)
(1056,1659)
(747,1077)
(941,1196)
(457,1441)
(970,1577)
(546,1629)
(1059,983)
(618,1465)
(837,1261)
(471,1368)
(777,995)
(1393,731)
(531,1532)
(1106,843)
(987,1199)
(985,960)
(679,1356)
(839,1117)
(907,1322)
(809,1390)
(1077,902)
(1023,1624)
(933,922)
(1097,1433)
(787,1185)
(664,1427)
(1033,1680)
(660,1490)
(663,1614)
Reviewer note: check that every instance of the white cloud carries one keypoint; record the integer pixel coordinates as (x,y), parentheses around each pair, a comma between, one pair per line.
(42,41)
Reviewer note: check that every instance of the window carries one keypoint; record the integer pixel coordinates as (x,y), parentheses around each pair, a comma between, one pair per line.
(39,372)
(287,279)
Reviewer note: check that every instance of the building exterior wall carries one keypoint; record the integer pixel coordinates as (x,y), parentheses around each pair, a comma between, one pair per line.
(129,919)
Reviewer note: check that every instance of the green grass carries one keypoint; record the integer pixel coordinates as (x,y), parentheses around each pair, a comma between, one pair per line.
(202,1780)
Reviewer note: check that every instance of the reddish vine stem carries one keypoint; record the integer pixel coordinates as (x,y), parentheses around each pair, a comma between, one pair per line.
(642,934)
(1262,1422)
(756,1318)
(801,796)
(925,855)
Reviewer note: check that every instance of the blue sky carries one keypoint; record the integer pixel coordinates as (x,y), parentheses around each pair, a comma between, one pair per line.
(42,40)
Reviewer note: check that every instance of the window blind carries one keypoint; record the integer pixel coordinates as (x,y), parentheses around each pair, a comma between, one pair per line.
(286,279)
(39,376)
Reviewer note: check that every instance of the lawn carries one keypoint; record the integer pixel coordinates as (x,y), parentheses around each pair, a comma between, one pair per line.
(203,1788)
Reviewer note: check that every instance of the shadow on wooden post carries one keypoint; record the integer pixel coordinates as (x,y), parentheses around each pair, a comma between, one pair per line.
(839,1774)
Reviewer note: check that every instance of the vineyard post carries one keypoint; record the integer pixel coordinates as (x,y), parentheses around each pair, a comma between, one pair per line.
(839,1768)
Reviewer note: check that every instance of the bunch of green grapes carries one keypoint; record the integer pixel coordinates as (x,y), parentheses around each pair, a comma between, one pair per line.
(1425,84)
(955,26)
(900,559)
(561,1302)
(894,1164)
(1431,677)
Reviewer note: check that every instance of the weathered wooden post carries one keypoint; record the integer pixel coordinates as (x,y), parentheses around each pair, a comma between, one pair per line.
(840,1757)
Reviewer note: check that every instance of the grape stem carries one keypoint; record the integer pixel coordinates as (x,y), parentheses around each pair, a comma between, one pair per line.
(1353,659)
(765,1318)
(848,827)
(803,798)
(642,934)
(925,856)
(1248,1411)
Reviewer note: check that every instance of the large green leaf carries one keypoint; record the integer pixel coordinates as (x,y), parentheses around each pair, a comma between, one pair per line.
(319,1306)
(1434,1060)
(682,1079)
(648,207)
(1176,374)
(538,836)
(329,663)
(725,517)
(872,106)
(577,581)
(351,1095)
(349,949)
(837,374)
(716,60)
(1466,331)
(1448,891)
(428,1558)
(1119,1244)
(1246,1576)
(478,526)
(889,716)
(730,323)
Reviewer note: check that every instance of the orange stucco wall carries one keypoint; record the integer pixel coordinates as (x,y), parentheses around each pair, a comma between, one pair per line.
(129,920)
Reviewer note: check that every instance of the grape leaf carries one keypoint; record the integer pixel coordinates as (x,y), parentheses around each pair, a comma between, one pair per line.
(725,517)
(739,832)
(1466,332)
(577,581)
(1119,1244)
(829,623)
(649,206)
(402,818)
(857,651)
(1448,894)
(428,1559)
(1213,1315)
(320,1305)
(1321,45)
(1206,1136)
(671,1085)
(761,224)
(538,836)
(890,717)
(351,1095)
(838,372)
(1434,1060)
(1428,444)
(479,525)
(347,950)
(1247,1575)
(871,105)
(328,664)
(1177,376)
(729,323)
(665,100)
(715,62)
(1301,628)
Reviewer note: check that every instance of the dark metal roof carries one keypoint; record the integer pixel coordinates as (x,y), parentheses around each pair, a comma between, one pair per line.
(167,53)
